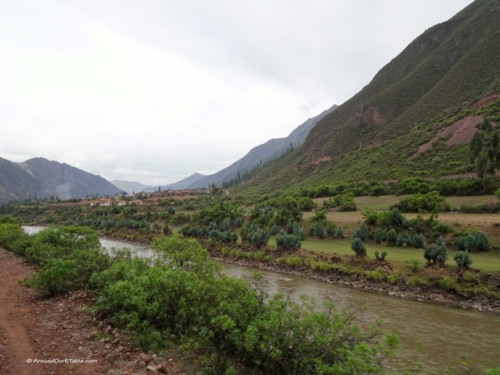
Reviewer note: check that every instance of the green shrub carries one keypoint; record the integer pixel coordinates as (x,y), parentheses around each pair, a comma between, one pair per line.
(362,232)
(255,235)
(473,241)
(391,237)
(377,275)
(285,241)
(10,219)
(419,241)
(436,253)
(295,229)
(448,283)
(12,236)
(318,265)
(416,280)
(394,278)
(72,272)
(463,260)
(428,202)
(414,265)
(380,235)
(469,276)
(60,242)
(358,247)
(380,256)
(288,339)
(318,230)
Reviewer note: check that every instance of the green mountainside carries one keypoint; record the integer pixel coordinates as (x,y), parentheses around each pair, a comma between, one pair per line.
(449,73)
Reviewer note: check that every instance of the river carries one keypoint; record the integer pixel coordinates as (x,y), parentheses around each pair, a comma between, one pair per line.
(434,335)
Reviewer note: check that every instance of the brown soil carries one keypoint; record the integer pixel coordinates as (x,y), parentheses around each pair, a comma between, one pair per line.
(484,102)
(460,132)
(57,335)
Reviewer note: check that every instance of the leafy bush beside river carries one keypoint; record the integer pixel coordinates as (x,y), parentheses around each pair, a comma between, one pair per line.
(180,296)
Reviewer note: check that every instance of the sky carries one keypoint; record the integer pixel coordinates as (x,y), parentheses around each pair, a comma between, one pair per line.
(155,90)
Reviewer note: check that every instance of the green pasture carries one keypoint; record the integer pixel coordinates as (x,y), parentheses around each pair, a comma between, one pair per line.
(489,262)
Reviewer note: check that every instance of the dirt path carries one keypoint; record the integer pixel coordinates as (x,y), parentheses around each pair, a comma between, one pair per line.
(58,336)
(15,345)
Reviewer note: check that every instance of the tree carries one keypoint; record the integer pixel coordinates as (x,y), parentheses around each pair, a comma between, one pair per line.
(358,247)
(362,232)
(485,151)
(463,260)
(436,253)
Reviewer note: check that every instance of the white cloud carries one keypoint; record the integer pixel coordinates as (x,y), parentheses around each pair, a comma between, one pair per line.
(154,91)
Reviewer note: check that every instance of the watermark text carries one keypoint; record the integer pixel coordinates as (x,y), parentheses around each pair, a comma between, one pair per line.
(58,361)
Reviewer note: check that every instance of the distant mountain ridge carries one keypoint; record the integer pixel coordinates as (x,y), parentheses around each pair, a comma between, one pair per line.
(263,153)
(136,187)
(39,178)
(132,186)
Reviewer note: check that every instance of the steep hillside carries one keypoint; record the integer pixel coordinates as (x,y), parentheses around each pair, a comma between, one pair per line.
(436,81)
(16,182)
(40,178)
(263,153)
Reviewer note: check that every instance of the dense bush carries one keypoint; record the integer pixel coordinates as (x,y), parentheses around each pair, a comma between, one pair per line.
(295,229)
(428,202)
(387,218)
(60,242)
(436,253)
(419,241)
(472,241)
(196,231)
(362,232)
(285,241)
(225,320)
(358,247)
(69,272)
(277,211)
(13,238)
(68,256)
(318,230)
(255,235)
(344,202)
(463,260)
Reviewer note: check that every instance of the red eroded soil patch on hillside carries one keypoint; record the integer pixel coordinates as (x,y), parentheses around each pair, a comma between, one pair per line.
(58,336)
(487,100)
(461,132)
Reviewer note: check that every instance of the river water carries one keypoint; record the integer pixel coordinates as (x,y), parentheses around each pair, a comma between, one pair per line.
(436,336)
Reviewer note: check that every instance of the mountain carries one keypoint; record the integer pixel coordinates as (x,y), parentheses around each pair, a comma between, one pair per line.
(40,178)
(258,155)
(132,187)
(185,183)
(415,118)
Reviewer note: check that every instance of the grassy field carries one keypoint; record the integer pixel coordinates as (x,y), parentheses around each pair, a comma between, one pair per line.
(385,201)
(489,262)
(489,223)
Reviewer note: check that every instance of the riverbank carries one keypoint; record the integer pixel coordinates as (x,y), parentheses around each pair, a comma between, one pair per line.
(421,293)
(398,290)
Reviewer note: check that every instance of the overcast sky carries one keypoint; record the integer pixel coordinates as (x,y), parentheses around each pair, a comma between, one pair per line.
(155,90)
